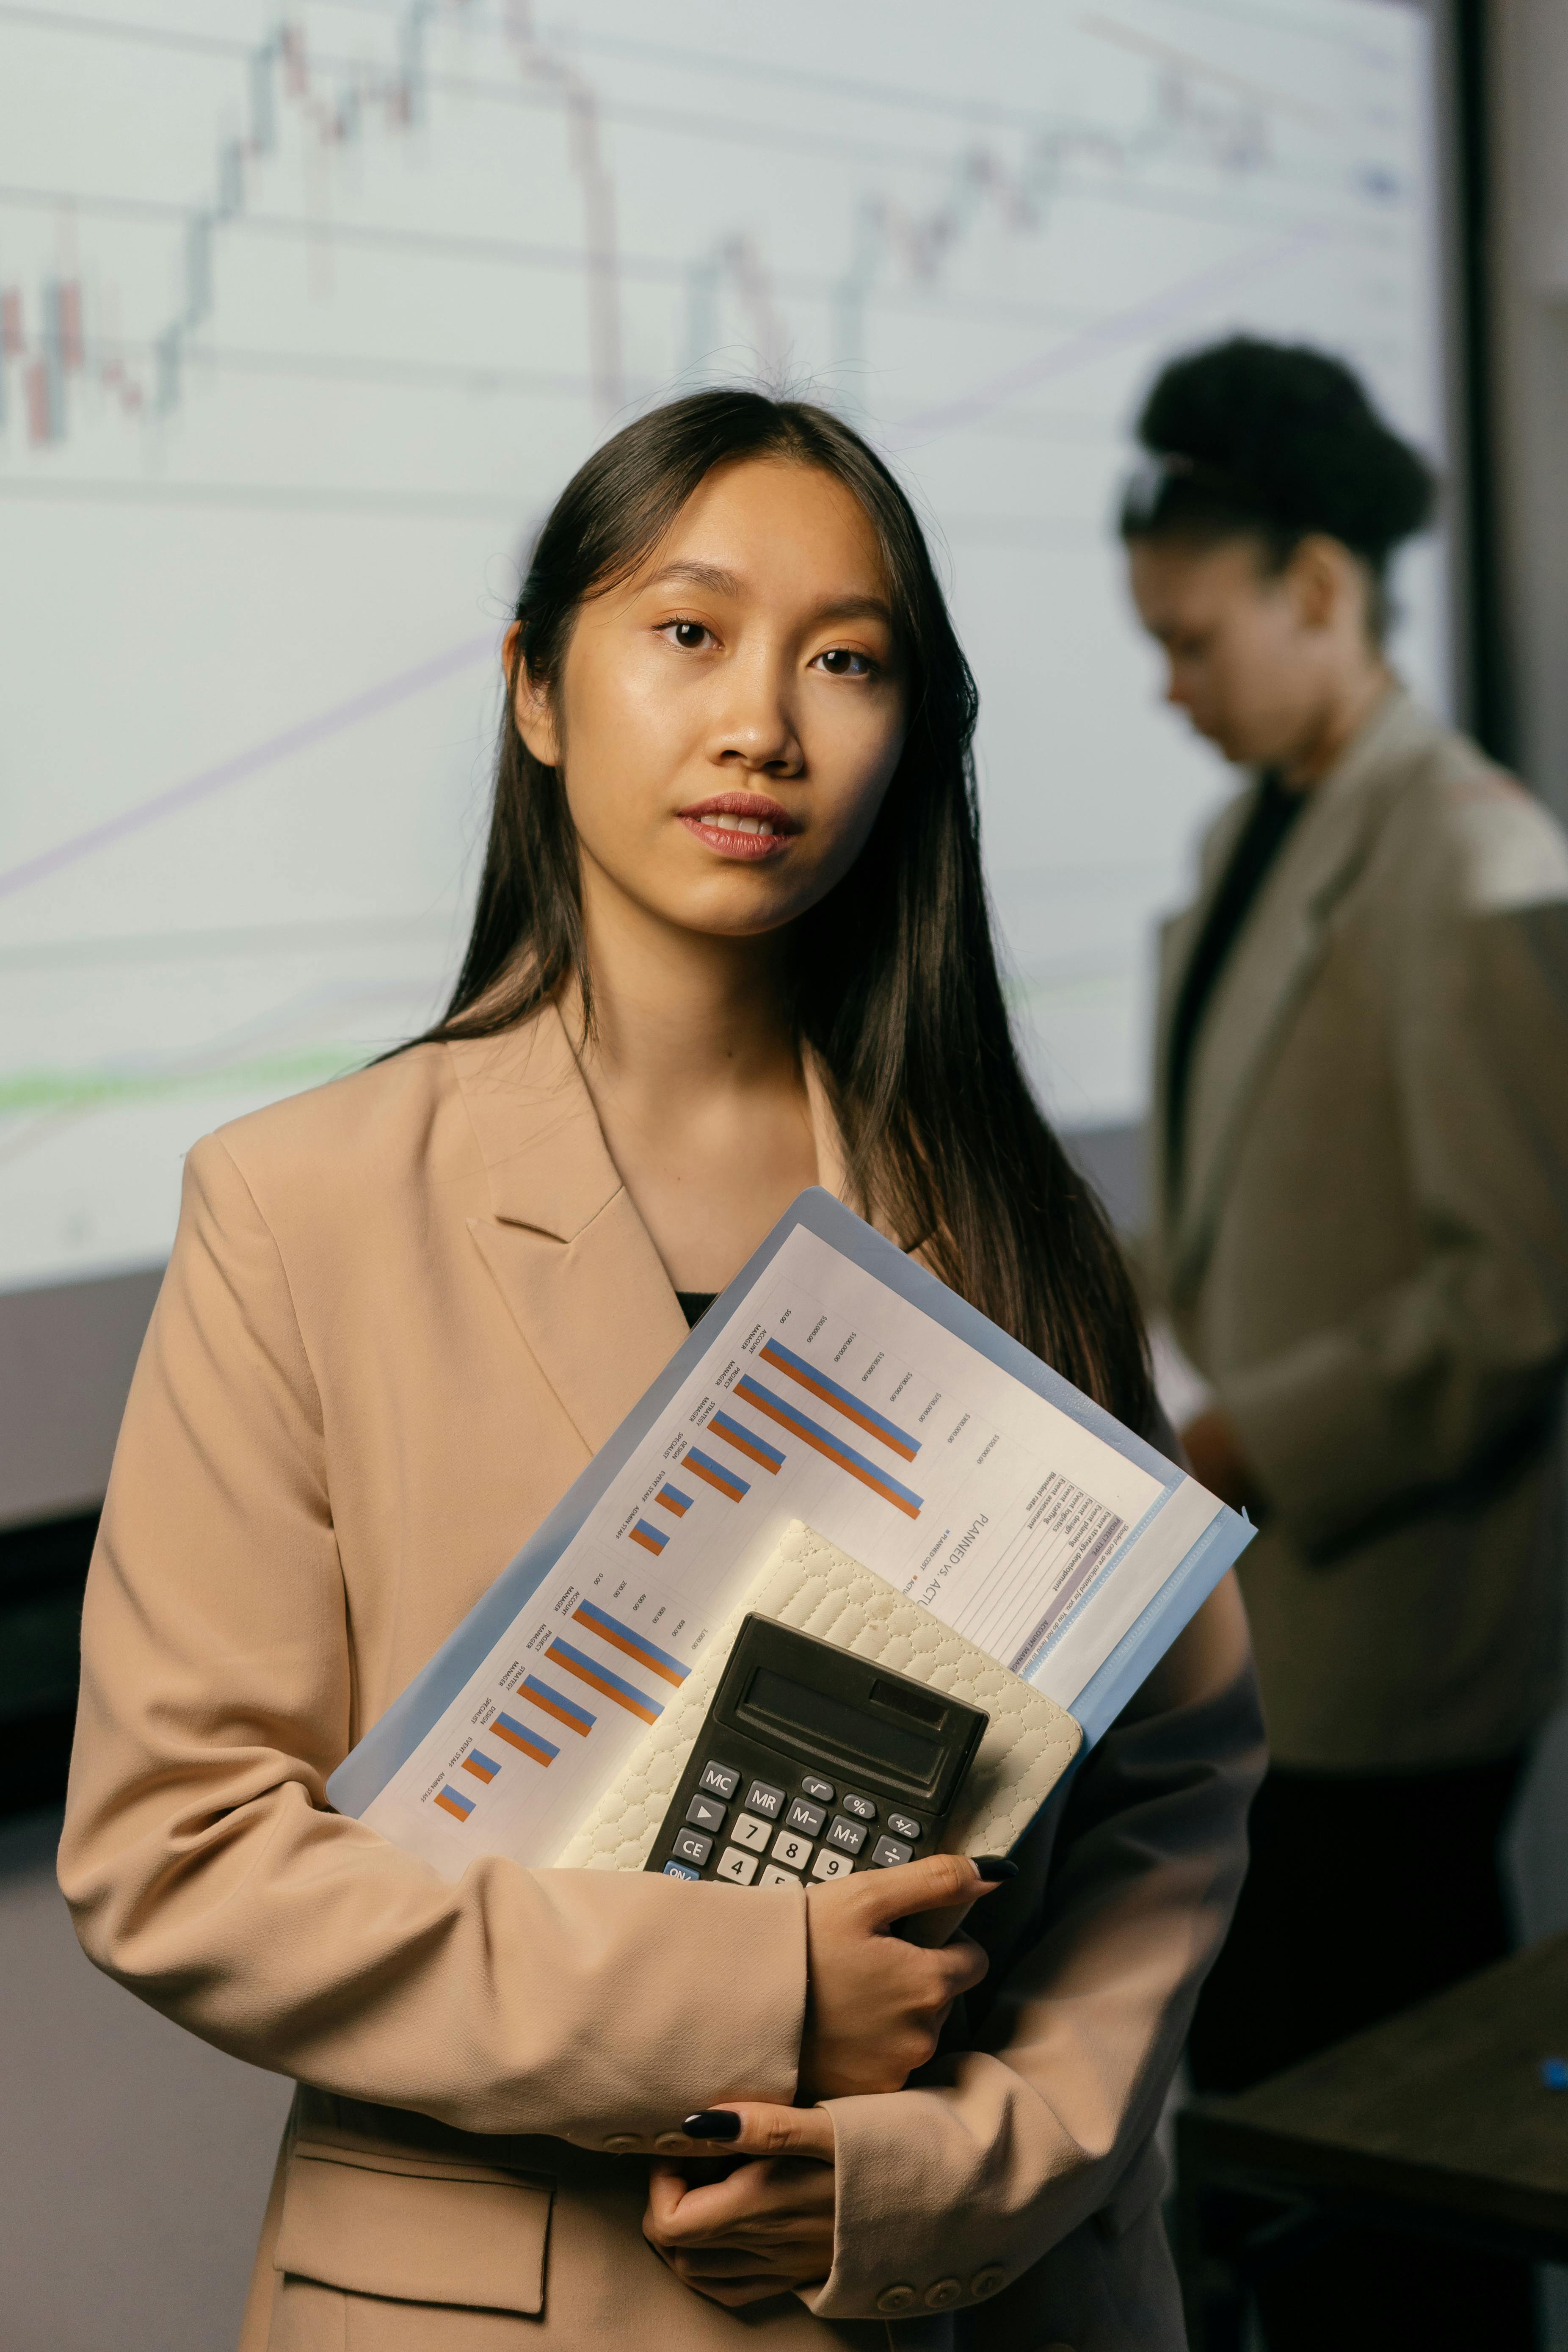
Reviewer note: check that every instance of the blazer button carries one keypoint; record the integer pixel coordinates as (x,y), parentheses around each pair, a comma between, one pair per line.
(944,2291)
(987,2282)
(621,2143)
(896,2298)
(670,2139)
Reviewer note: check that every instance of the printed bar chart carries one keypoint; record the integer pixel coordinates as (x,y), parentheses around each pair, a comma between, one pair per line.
(601,1679)
(452,1801)
(527,1742)
(483,1768)
(554,1702)
(833,1449)
(745,1440)
(651,1538)
(725,1482)
(635,1645)
(674,1500)
(875,1424)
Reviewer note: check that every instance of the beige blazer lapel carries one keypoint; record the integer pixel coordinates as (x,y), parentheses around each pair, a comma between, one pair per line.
(569,1253)
(1266,974)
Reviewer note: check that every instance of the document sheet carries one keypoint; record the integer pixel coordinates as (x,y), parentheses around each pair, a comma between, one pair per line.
(836,1383)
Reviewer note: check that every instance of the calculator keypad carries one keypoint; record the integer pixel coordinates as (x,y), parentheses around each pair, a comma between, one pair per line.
(774,1837)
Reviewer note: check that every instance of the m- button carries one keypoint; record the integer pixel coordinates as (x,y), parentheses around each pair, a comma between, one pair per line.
(897,2298)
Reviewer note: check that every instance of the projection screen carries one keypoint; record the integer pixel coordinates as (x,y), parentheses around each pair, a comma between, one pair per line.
(307,313)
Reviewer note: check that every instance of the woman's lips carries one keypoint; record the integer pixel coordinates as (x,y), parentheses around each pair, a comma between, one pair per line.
(746,827)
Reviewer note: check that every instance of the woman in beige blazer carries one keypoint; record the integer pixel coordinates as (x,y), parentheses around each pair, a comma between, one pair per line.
(1361,1235)
(730,940)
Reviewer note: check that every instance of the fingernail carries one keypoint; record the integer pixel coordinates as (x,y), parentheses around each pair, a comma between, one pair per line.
(995,1867)
(713,2123)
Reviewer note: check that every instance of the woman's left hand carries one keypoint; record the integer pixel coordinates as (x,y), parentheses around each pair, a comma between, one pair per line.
(761,2226)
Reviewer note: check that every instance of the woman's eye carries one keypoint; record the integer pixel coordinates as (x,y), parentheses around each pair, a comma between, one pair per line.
(691,637)
(839,662)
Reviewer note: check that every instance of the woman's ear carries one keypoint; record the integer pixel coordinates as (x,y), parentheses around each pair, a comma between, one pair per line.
(531,705)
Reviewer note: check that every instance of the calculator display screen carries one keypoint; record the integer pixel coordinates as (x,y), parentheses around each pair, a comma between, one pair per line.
(797,1708)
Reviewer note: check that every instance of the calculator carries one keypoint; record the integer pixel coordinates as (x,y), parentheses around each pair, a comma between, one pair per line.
(812,1763)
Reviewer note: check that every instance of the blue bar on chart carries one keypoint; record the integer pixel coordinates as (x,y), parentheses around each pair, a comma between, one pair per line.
(833,1449)
(713,1474)
(556,1703)
(635,1645)
(452,1801)
(601,1679)
(651,1539)
(747,1442)
(483,1768)
(527,1741)
(845,1401)
(673,1499)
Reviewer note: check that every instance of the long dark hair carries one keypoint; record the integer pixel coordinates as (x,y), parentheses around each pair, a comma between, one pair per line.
(893,974)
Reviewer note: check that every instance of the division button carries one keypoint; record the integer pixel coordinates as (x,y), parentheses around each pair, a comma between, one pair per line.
(816,1786)
(791,1847)
(751,1834)
(690,1845)
(888,1851)
(864,1810)
(808,1819)
(831,1866)
(720,1781)
(679,1870)
(761,1799)
(774,1877)
(738,1867)
(705,1813)
(847,1836)
(902,1825)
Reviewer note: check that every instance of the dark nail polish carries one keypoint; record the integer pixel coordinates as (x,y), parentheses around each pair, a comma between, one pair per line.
(995,1867)
(713,2123)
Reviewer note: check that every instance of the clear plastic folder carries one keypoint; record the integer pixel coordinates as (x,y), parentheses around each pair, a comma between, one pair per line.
(837,1385)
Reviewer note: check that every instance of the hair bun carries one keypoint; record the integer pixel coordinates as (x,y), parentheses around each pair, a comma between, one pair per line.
(1285,437)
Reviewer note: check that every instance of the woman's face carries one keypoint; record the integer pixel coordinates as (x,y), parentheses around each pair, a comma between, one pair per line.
(729,717)
(1252,655)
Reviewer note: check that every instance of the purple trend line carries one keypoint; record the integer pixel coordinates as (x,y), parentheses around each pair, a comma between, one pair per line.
(368,704)
(1122,326)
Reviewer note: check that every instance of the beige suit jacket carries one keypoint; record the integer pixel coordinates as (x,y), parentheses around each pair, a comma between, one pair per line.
(1366,1247)
(401,1314)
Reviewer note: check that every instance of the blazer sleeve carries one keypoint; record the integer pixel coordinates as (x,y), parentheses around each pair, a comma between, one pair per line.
(1458,1366)
(200,1859)
(1001,2151)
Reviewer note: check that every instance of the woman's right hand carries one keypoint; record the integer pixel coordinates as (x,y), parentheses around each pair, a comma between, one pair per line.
(875,2005)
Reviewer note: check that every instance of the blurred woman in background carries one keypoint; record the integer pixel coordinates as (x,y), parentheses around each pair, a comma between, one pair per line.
(1361,1237)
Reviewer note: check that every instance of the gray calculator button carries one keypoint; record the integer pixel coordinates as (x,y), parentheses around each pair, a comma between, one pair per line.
(740,1868)
(816,1786)
(861,1807)
(774,1877)
(705,1813)
(750,1833)
(903,1825)
(791,1847)
(847,1836)
(887,1851)
(679,1870)
(720,1781)
(692,1847)
(761,1799)
(801,1816)
(831,1866)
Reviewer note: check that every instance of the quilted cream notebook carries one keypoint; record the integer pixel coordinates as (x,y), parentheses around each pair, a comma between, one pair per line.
(810,1584)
